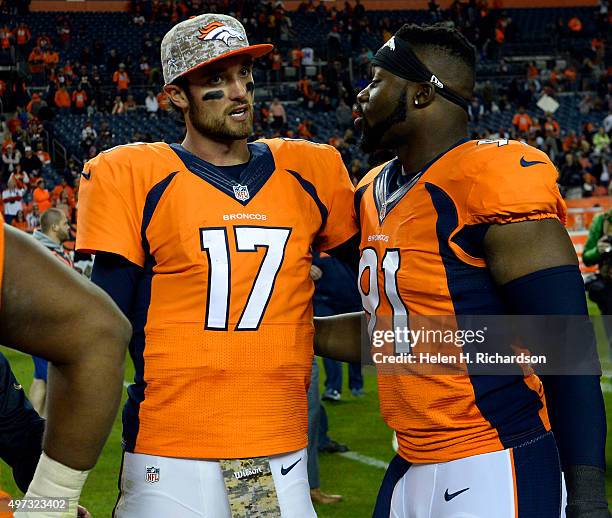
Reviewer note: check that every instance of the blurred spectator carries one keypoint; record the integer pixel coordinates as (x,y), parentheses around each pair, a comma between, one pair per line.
(570,177)
(30,163)
(151,104)
(276,62)
(295,56)
(22,39)
(112,61)
(344,115)
(63,203)
(20,222)
(21,178)
(106,137)
(35,105)
(601,142)
(307,56)
(304,129)
(42,155)
(522,121)
(33,218)
(586,104)
(62,187)
(79,99)
(118,106)
(475,110)
(12,198)
(551,126)
(6,39)
(89,132)
(41,196)
(62,98)
(36,63)
(122,80)
(279,116)
(130,104)
(10,158)
(51,59)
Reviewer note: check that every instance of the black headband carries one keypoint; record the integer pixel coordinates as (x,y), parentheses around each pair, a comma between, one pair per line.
(397,57)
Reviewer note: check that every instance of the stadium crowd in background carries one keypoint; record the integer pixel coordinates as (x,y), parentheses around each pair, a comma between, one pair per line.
(103,81)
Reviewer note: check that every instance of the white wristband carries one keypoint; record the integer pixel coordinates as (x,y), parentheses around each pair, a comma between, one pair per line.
(53,479)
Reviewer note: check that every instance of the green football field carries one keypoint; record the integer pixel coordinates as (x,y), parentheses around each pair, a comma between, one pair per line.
(353,421)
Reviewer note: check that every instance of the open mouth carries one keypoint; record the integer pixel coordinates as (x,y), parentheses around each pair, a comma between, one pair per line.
(240,113)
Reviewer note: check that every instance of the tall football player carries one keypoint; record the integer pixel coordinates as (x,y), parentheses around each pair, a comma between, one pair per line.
(459,227)
(206,246)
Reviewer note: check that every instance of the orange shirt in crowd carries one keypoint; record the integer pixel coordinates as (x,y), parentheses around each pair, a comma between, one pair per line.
(575,25)
(532,72)
(499,35)
(79,98)
(42,198)
(570,74)
(36,60)
(296,57)
(62,98)
(522,121)
(43,156)
(21,225)
(121,79)
(22,35)
(5,37)
(59,188)
(51,58)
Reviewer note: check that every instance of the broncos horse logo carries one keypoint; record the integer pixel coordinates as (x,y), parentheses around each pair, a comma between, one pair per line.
(218,31)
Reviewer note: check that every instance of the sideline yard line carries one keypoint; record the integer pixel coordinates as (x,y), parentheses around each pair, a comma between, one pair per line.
(364,459)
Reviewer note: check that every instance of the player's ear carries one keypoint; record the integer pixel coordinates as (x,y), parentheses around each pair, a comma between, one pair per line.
(423,95)
(177,95)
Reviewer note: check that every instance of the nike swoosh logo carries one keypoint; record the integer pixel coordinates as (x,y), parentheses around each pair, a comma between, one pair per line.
(87,176)
(449,496)
(284,470)
(525,163)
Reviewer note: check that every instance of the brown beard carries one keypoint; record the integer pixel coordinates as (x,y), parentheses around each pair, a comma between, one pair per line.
(218,128)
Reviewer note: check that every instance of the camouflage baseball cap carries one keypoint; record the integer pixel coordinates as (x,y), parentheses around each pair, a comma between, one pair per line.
(202,40)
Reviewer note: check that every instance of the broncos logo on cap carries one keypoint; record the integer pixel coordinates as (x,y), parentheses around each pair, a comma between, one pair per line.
(218,31)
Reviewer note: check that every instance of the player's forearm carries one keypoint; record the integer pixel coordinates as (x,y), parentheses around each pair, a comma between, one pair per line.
(339,337)
(83,397)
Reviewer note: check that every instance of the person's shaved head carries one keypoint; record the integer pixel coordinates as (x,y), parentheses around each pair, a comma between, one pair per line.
(51,217)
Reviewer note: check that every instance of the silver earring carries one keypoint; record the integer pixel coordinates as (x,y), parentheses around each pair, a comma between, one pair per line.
(416,101)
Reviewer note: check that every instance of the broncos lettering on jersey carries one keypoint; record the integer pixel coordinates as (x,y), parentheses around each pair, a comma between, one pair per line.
(223,332)
(423,238)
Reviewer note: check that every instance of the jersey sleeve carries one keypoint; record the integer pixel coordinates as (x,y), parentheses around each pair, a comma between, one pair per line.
(109,217)
(518,184)
(340,224)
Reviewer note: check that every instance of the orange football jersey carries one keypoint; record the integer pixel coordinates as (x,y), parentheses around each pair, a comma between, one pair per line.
(423,238)
(223,331)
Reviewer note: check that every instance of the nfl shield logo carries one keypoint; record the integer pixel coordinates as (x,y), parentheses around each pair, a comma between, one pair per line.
(383,210)
(241,192)
(152,474)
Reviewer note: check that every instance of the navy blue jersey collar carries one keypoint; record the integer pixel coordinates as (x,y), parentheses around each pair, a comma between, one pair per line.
(385,191)
(254,176)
